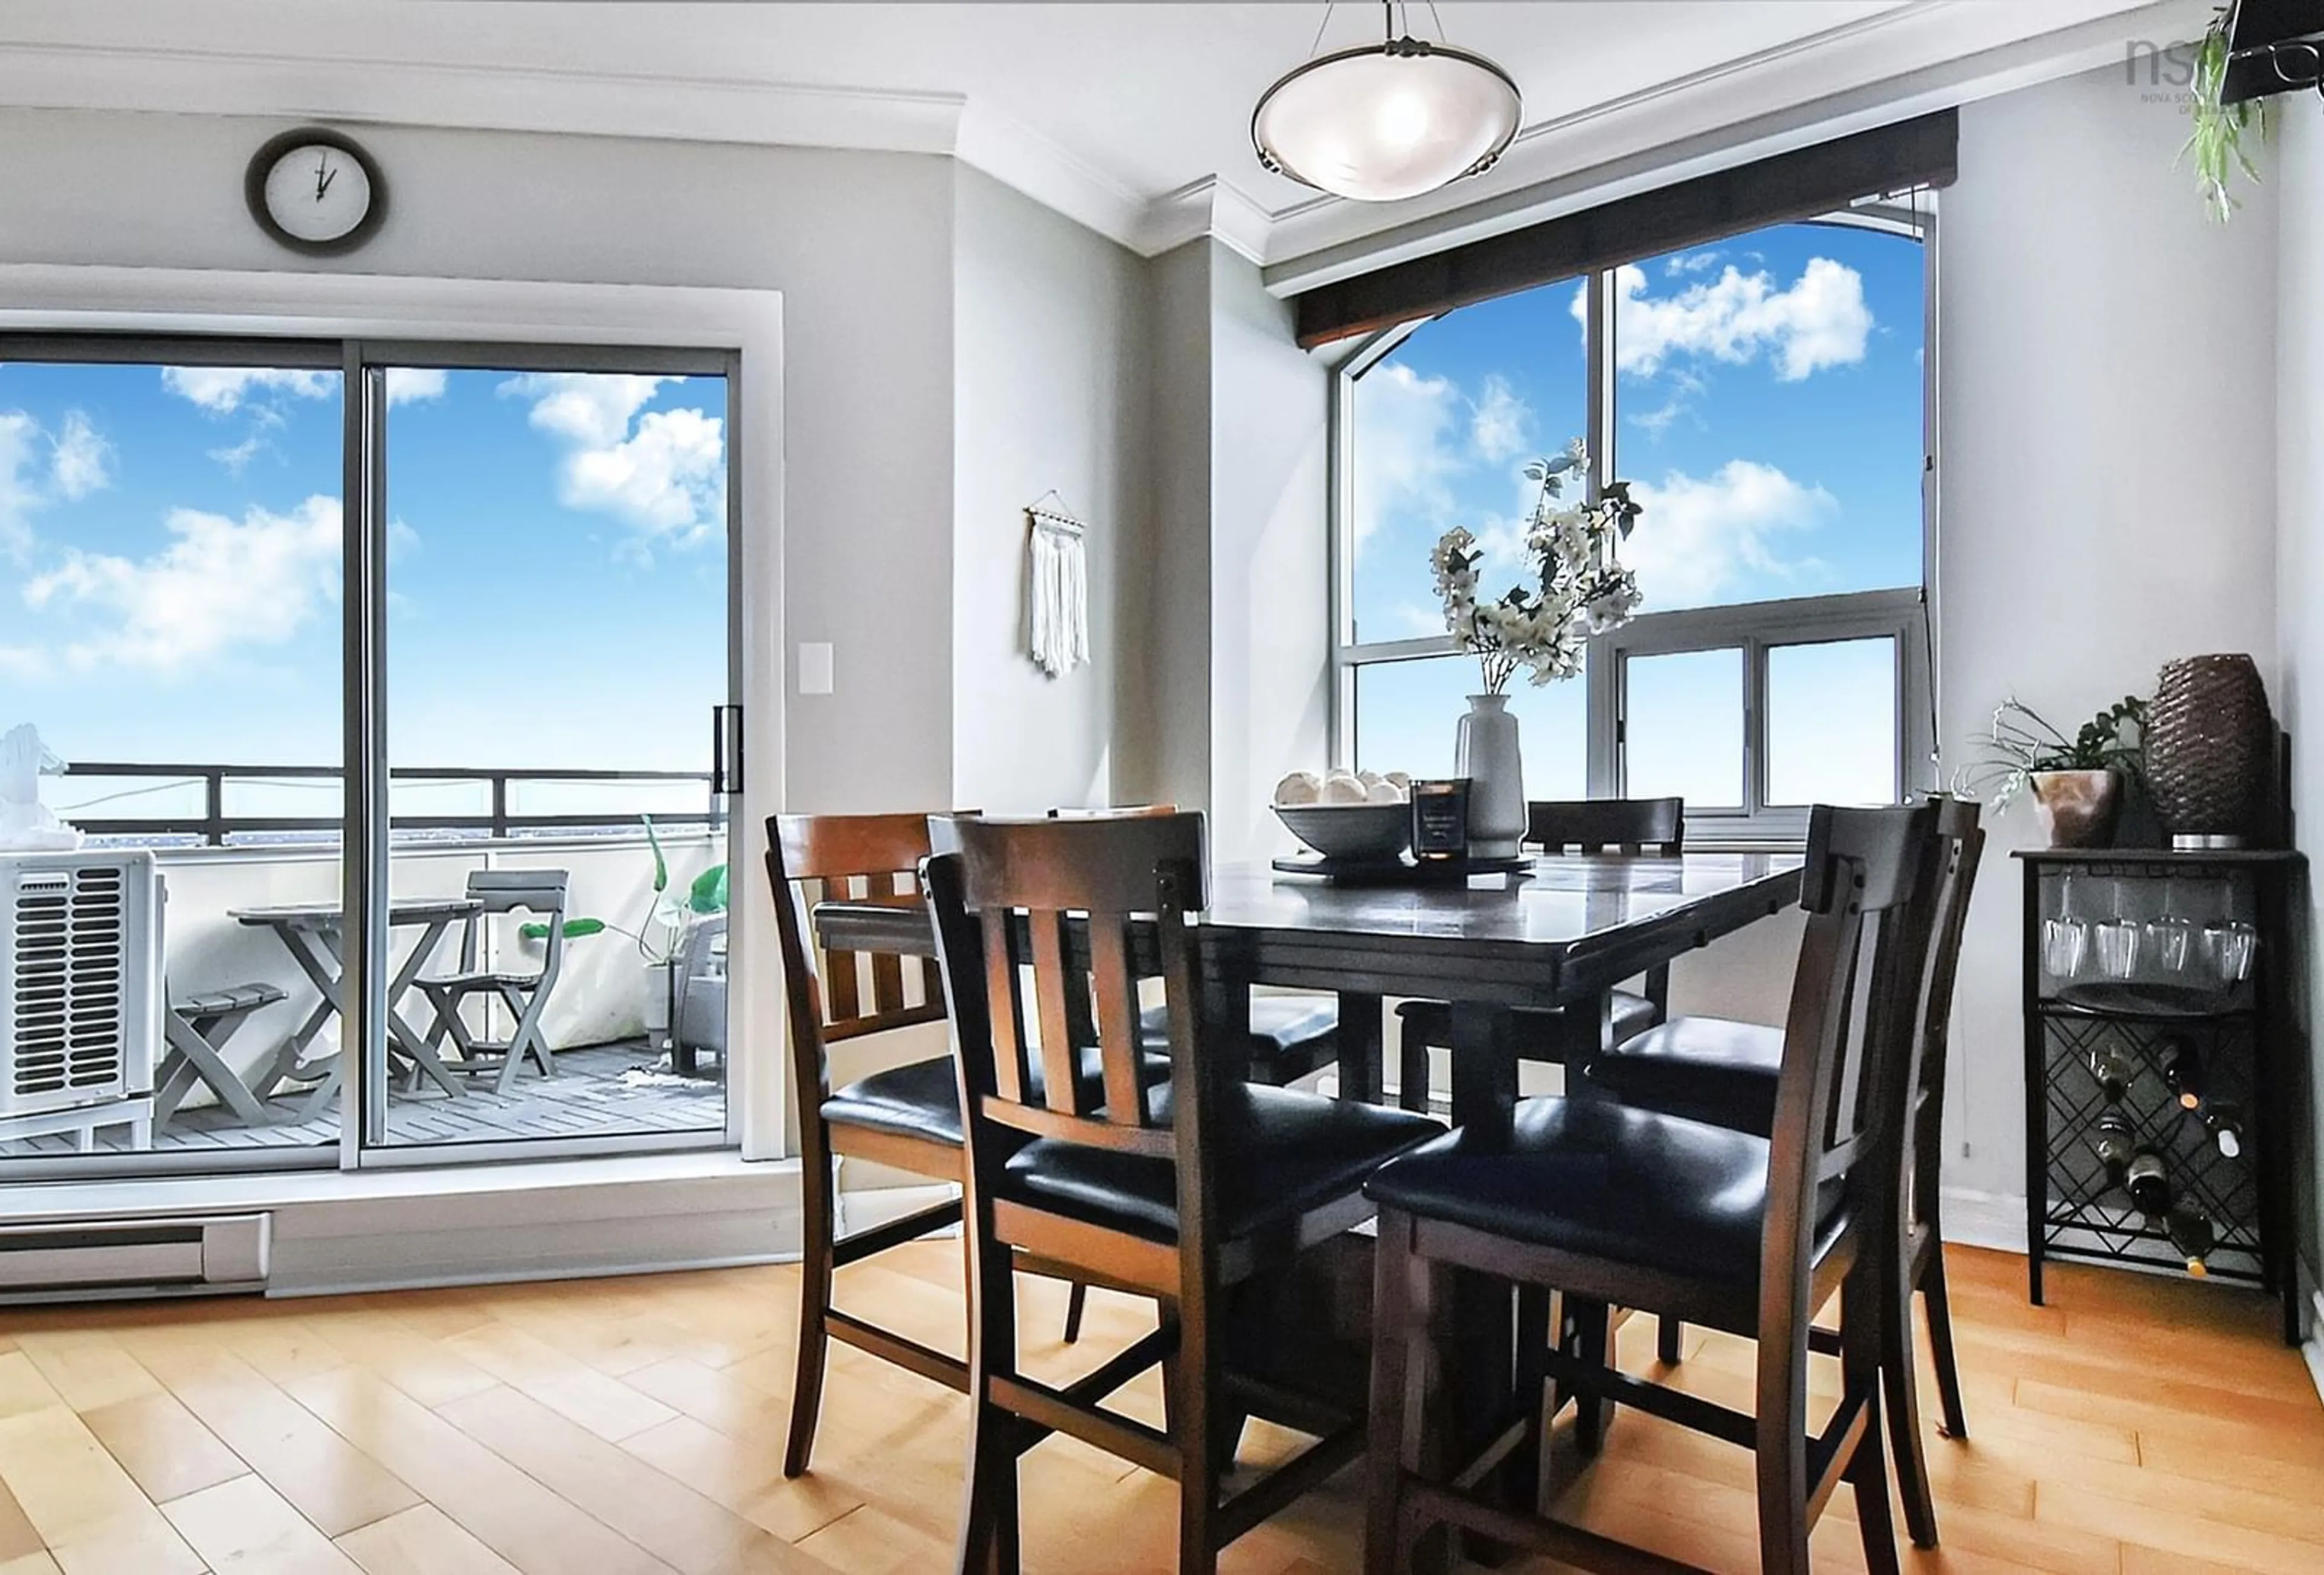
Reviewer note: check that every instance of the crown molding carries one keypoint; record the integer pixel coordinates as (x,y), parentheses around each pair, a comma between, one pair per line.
(377,92)
(1212,207)
(1017,156)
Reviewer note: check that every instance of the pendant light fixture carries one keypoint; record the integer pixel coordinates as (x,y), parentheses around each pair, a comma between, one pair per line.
(1387,121)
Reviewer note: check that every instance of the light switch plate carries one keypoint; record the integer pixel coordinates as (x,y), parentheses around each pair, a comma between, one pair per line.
(814,667)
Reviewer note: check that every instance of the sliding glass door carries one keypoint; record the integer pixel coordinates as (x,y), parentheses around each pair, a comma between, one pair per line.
(555,660)
(366,734)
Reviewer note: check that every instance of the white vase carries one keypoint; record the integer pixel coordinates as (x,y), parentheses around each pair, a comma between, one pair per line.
(1486,753)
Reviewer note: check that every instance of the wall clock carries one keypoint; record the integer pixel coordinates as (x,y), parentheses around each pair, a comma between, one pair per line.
(316,191)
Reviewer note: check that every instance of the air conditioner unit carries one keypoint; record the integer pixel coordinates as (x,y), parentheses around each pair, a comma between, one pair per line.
(80,979)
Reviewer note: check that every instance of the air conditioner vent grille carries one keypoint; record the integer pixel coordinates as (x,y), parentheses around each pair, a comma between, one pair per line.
(79,938)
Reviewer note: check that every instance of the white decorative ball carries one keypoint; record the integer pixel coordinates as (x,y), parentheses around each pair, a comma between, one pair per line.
(1299,787)
(1345,788)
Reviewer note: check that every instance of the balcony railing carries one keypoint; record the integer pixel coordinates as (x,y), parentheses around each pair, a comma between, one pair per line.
(214,827)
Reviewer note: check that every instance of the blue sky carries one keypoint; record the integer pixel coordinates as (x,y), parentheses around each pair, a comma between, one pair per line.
(169,584)
(1768,401)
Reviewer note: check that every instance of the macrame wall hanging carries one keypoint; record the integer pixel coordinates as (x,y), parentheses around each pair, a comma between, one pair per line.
(1058,594)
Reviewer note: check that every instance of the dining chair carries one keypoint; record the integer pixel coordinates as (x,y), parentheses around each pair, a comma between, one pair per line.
(497,893)
(1612,1205)
(1291,1036)
(1629,826)
(907,1117)
(1730,1073)
(1180,1189)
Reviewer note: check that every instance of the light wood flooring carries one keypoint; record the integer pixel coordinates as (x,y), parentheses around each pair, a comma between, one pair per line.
(2134,1427)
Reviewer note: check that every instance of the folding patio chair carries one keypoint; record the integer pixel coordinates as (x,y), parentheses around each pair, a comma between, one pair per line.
(540,893)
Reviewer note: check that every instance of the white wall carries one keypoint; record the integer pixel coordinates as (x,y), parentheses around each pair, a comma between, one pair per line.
(2299,541)
(1049,323)
(2106,412)
(859,244)
(1168,759)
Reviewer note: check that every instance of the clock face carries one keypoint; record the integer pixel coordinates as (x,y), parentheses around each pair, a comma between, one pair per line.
(316,194)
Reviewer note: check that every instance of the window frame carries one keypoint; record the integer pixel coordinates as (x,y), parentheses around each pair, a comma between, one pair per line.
(1901,614)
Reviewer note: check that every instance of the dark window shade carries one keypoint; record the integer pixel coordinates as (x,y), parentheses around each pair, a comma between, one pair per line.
(1798,185)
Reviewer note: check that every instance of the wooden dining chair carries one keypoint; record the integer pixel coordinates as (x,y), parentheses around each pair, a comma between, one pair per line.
(1180,1190)
(1629,826)
(907,1117)
(1616,1206)
(1730,1074)
(524,992)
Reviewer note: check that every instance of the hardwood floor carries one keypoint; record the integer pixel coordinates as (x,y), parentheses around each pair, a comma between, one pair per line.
(2132,1427)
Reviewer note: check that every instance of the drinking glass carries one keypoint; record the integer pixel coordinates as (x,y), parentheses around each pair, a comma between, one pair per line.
(2229,949)
(2116,943)
(2170,942)
(2064,940)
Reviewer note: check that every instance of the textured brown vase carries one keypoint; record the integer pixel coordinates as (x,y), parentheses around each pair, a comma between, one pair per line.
(2210,742)
(2077,808)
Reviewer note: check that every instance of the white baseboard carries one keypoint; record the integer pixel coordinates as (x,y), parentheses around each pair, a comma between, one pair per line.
(2312,1349)
(1979,1219)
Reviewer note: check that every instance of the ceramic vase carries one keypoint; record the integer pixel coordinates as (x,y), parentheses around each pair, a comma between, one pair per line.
(1485,751)
(2210,751)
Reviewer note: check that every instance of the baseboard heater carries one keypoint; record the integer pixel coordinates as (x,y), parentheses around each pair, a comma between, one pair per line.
(212,1255)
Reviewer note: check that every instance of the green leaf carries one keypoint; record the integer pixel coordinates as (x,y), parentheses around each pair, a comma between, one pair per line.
(708,892)
(575,928)
(662,865)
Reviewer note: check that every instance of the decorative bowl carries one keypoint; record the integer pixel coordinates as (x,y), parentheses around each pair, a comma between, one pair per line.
(1375,831)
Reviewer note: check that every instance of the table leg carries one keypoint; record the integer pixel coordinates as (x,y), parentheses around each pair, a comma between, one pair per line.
(1479,1318)
(401,1033)
(1360,1076)
(317,958)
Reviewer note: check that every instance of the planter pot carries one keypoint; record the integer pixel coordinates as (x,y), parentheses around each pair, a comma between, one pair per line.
(2210,747)
(660,989)
(1485,751)
(2076,809)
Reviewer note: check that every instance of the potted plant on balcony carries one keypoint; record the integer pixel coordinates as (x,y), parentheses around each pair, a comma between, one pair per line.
(2077,781)
(660,936)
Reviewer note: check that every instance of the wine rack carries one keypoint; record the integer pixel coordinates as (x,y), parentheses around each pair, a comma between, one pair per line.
(2156,1022)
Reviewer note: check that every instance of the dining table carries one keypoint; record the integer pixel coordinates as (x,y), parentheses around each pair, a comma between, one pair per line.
(314,934)
(1557,932)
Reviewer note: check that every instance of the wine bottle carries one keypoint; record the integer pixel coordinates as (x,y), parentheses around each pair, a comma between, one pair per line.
(2148,1183)
(2116,1144)
(2225,1123)
(2191,1236)
(2183,1072)
(2114,1072)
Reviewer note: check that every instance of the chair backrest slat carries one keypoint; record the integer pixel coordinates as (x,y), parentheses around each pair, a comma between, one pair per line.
(1961,847)
(837,858)
(1119,1039)
(1602,825)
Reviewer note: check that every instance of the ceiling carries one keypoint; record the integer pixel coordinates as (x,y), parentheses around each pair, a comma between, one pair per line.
(1132,117)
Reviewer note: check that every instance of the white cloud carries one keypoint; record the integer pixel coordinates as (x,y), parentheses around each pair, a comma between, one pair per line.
(218,584)
(1821,320)
(663,472)
(77,465)
(406,384)
(221,389)
(241,454)
(1402,458)
(1700,538)
(1500,425)
(19,491)
(1685,263)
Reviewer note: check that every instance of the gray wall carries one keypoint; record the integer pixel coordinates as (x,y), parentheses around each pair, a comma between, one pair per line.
(1050,393)
(861,244)
(2299,179)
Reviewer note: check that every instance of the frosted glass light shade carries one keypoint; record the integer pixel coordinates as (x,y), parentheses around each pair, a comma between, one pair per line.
(1387,122)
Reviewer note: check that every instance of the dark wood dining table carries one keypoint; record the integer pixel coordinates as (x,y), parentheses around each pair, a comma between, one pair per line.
(1562,934)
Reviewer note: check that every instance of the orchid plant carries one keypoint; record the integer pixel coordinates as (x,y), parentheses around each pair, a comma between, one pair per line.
(1580,588)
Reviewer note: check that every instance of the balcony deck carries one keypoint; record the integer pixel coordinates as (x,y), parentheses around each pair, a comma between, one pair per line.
(599,1091)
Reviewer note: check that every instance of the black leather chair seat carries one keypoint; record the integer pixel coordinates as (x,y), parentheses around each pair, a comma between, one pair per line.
(1285,1151)
(1707,1068)
(921,1101)
(1591,1177)
(1291,1036)
(1541,1035)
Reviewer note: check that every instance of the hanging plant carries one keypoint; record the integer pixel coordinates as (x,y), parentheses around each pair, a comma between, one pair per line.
(2217,141)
